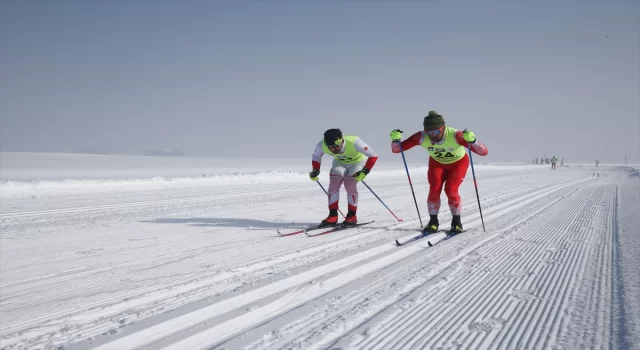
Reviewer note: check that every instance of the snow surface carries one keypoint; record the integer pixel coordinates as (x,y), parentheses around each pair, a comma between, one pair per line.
(128,252)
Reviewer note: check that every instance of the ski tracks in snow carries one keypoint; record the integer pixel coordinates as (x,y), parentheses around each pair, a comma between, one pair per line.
(536,279)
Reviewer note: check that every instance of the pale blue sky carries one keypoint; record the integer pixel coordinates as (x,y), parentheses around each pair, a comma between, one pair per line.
(249,78)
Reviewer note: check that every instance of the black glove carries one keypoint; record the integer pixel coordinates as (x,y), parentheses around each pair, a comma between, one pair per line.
(313,175)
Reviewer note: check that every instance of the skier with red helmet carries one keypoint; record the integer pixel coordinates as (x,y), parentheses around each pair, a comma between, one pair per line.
(448,163)
(353,160)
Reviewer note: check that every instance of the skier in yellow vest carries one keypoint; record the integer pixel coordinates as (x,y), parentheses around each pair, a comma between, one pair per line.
(448,163)
(353,160)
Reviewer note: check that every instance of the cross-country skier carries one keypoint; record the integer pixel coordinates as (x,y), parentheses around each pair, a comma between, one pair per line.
(353,160)
(554,160)
(448,163)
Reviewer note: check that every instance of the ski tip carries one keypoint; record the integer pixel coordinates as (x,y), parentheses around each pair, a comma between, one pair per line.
(290,233)
(429,243)
(398,243)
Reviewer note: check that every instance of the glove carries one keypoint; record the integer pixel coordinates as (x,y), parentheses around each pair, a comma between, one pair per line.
(396,135)
(313,175)
(469,136)
(360,175)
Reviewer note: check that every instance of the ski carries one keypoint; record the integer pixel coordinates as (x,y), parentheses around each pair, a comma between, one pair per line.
(413,239)
(303,230)
(338,228)
(449,235)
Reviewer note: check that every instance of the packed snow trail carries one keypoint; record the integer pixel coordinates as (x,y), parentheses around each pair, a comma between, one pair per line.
(209,271)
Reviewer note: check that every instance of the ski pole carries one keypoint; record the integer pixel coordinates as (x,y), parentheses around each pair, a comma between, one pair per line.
(327,193)
(410,184)
(476,185)
(394,215)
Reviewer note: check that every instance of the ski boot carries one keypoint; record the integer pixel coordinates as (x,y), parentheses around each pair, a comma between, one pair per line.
(432,226)
(456,225)
(351,218)
(331,220)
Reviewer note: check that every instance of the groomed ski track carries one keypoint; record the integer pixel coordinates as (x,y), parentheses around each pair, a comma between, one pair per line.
(539,277)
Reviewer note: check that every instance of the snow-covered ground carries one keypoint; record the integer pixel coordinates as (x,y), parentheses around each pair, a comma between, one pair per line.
(124,252)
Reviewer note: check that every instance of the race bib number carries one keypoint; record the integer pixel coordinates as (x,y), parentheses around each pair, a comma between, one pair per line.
(443,155)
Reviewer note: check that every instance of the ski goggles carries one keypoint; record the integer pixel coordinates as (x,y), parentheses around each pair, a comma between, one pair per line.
(335,147)
(435,132)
